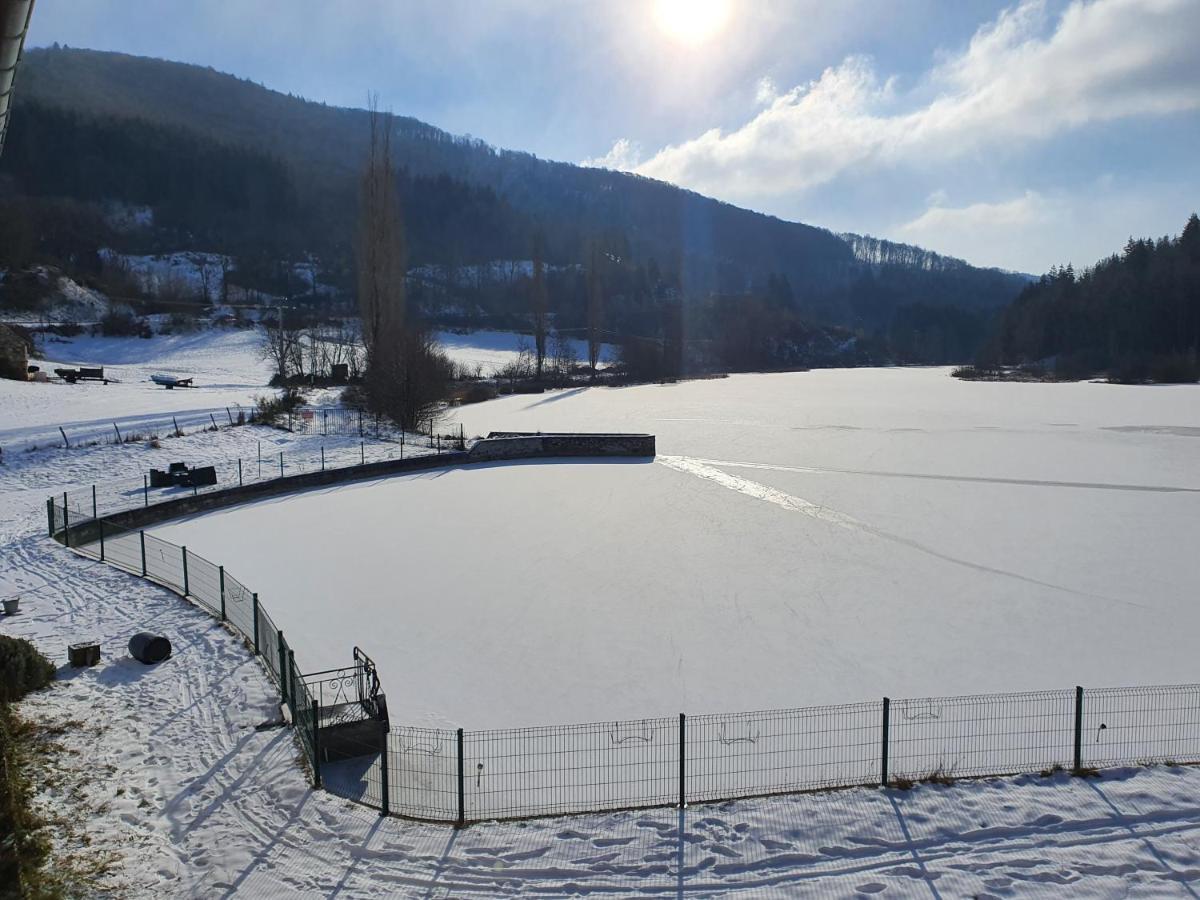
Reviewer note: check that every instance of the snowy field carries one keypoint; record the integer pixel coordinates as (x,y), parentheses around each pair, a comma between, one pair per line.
(492,350)
(163,772)
(228,369)
(802,539)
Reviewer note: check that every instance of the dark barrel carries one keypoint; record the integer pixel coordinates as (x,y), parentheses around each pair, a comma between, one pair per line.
(149,648)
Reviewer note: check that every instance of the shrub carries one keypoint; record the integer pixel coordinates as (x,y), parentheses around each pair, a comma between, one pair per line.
(22,669)
(121,322)
(1175,368)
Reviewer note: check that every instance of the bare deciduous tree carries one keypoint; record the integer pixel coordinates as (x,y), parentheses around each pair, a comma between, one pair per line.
(539,305)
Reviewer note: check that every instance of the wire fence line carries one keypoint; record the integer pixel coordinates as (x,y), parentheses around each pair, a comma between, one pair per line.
(460,776)
(112,497)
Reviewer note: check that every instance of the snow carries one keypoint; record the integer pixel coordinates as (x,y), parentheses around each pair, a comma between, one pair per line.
(163,766)
(228,368)
(802,539)
(492,350)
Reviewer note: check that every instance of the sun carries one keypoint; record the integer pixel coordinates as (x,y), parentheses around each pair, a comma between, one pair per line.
(691,22)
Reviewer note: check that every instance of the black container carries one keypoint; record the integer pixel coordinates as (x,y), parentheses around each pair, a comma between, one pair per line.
(149,648)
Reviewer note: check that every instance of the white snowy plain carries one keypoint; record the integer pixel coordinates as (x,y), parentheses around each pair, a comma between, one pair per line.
(167,771)
(803,539)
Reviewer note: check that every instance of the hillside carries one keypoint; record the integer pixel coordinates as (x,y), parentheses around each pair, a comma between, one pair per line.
(198,146)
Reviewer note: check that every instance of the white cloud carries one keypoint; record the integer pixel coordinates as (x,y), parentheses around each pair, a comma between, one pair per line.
(623,157)
(1102,61)
(981,232)
(765,91)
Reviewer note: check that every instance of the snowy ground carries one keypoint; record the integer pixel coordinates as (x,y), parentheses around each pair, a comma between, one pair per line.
(492,350)
(802,539)
(228,369)
(168,772)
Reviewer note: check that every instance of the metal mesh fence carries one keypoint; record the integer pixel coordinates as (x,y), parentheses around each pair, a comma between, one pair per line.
(749,754)
(988,734)
(1140,725)
(520,772)
(459,776)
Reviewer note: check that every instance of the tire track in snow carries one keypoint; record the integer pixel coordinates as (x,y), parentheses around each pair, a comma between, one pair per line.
(969,479)
(758,491)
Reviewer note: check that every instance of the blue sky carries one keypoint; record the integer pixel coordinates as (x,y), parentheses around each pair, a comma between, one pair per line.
(1016,134)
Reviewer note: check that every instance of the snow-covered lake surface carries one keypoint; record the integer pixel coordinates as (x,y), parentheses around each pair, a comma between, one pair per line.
(802,539)
(165,778)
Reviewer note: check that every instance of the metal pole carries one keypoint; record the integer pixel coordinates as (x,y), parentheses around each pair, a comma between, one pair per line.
(50,514)
(185,578)
(214,421)
(362,452)
(883,775)
(228,413)
(94,501)
(462,806)
(360,434)
(316,738)
(146,490)
(100,522)
(254,596)
(291,668)
(239,471)
(283,658)
(324,423)
(260,459)
(1078,728)
(322,457)
(682,761)
(384,790)
(66,523)
(142,536)
(66,443)
(118,431)
(280,463)
(221,570)
(178,433)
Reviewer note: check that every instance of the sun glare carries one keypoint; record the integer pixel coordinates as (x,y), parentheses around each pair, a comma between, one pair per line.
(691,22)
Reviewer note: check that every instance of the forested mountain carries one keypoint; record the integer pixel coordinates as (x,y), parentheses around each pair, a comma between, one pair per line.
(230,166)
(1135,316)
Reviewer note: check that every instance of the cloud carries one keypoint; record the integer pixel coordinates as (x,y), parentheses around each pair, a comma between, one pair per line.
(623,157)
(980,231)
(1101,61)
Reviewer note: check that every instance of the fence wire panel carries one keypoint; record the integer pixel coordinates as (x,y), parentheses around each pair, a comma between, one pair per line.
(204,583)
(571,768)
(991,734)
(164,562)
(422,773)
(122,548)
(746,754)
(1136,726)
(239,607)
(268,643)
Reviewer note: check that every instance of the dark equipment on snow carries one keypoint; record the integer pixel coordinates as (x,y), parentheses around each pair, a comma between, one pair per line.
(83,655)
(179,475)
(149,648)
(82,374)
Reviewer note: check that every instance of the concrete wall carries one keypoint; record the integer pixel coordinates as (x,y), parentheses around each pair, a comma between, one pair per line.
(490,449)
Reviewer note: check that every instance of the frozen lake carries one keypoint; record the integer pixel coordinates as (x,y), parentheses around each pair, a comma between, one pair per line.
(802,539)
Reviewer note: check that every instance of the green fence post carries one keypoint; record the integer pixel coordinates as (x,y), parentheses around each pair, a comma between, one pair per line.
(1078,728)
(385,803)
(682,761)
(94,502)
(142,535)
(316,745)
(462,806)
(887,709)
(291,668)
(100,522)
(185,578)
(221,570)
(255,597)
(283,685)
